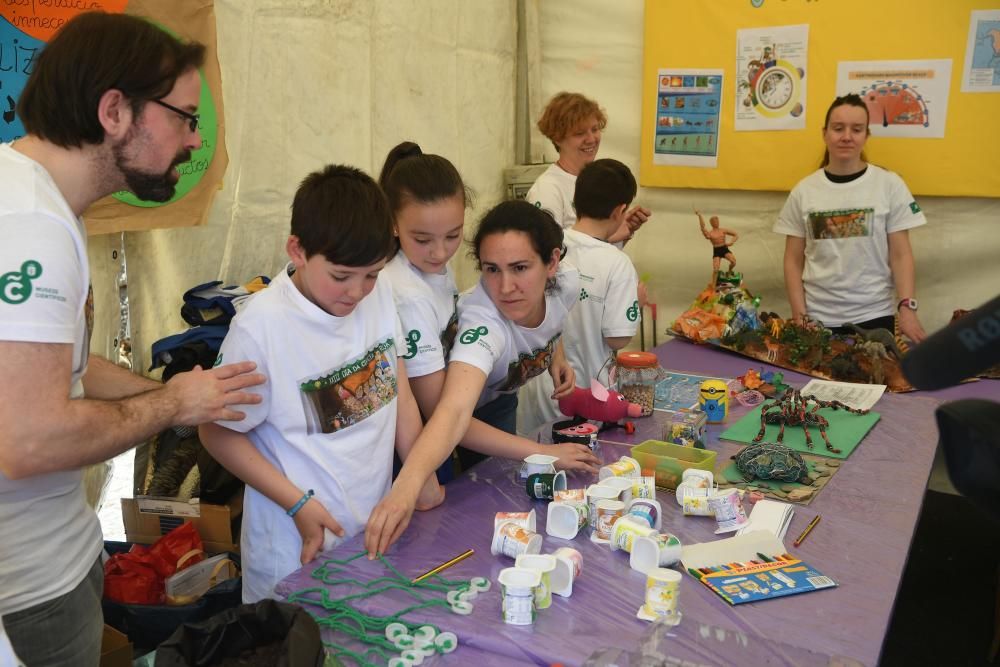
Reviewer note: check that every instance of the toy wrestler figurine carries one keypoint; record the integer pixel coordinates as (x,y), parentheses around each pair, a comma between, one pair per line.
(718,236)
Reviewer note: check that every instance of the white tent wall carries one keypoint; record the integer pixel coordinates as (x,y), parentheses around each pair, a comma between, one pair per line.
(308,83)
(595,47)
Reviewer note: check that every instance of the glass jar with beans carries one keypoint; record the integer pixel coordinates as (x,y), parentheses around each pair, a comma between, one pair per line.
(637,374)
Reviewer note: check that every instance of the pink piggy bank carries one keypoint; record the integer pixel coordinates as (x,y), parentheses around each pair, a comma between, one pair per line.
(598,403)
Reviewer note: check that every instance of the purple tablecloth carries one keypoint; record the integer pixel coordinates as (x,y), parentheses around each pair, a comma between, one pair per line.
(869,511)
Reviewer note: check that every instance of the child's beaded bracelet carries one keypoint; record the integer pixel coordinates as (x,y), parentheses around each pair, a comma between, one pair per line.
(302,501)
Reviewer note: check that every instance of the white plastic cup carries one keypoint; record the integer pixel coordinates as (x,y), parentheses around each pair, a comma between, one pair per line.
(660,550)
(517,586)
(625,530)
(646,509)
(728,509)
(624,486)
(608,511)
(662,588)
(644,487)
(512,540)
(544,564)
(596,493)
(565,519)
(523,519)
(541,463)
(626,466)
(569,565)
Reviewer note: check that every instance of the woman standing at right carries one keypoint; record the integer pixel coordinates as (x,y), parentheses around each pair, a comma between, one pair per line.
(847,249)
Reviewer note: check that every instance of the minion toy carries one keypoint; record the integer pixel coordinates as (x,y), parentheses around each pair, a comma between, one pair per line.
(713,399)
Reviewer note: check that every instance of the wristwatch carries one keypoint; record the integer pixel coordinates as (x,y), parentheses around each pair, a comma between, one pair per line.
(907,303)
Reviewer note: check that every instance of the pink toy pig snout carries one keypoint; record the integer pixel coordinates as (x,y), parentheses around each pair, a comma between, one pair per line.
(634,410)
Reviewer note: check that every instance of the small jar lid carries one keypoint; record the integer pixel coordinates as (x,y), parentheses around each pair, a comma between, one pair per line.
(637,360)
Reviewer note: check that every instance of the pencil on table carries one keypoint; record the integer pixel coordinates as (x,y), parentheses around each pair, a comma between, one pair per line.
(443,566)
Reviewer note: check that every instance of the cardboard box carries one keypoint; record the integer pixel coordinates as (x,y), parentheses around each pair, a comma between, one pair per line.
(668,461)
(116,649)
(148,518)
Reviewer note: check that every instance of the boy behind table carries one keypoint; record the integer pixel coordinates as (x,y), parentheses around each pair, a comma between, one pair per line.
(338,397)
(606,317)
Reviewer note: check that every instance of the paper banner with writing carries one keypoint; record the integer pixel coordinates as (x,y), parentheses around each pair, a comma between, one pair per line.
(25,28)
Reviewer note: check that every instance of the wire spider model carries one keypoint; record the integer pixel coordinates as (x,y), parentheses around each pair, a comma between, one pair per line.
(794,409)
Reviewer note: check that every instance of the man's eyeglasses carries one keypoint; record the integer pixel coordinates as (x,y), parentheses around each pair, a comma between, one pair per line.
(191,118)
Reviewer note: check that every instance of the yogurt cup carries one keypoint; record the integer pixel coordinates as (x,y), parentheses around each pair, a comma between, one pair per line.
(543,485)
(565,519)
(625,530)
(517,594)
(608,511)
(660,550)
(646,509)
(623,484)
(512,540)
(523,519)
(728,509)
(536,463)
(662,589)
(544,564)
(596,493)
(626,466)
(569,565)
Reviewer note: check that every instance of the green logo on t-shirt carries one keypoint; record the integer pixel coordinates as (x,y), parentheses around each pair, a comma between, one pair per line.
(218,361)
(914,207)
(470,336)
(632,314)
(411,344)
(15,286)
(583,294)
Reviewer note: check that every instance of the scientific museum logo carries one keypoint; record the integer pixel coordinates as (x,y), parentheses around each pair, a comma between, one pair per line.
(15,286)
(470,336)
(914,207)
(411,344)
(632,314)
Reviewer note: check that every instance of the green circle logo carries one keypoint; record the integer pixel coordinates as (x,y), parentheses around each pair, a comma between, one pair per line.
(633,312)
(470,336)
(15,286)
(411,344)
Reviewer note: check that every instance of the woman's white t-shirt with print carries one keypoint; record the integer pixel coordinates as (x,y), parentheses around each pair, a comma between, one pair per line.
(846,226)
(507,353)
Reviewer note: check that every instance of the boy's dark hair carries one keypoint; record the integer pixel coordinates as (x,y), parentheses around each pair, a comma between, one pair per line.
(519,216)
(602,186)
(90,55)
(409,175)
(341,213)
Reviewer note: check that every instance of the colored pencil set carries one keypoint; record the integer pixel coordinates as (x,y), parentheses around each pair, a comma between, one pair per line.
(762,578)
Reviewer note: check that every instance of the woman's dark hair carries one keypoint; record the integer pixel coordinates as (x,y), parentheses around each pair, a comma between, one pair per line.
(341,213)
(410,175)
(602,186)
(90,55)
(519,216)
(853,100)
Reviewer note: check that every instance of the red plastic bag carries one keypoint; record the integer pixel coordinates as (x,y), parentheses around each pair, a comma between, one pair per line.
(137,577)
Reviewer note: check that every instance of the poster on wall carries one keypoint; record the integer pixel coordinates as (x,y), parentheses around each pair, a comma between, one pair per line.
(981,73)
(905,98)
(771,78)
(687,117)
(25,29)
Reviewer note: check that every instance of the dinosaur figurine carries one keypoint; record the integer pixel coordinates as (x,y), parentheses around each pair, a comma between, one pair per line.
(883,336)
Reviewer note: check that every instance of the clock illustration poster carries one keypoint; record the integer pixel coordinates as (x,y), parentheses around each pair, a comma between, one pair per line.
(771,78)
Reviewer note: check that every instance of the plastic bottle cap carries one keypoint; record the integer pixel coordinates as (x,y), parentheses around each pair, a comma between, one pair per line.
(637,360)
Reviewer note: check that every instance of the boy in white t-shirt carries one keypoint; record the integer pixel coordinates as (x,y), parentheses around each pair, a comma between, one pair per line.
(317,452)
(606,317)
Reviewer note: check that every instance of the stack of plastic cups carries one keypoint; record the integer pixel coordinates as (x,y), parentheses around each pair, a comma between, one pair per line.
(544,564)
(517,592)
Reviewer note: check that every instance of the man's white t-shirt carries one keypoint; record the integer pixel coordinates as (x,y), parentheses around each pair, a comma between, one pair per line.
(426,306)
(608,308)
(508,353)
(327,420)
(846,226)
(49,536)
(553,192)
